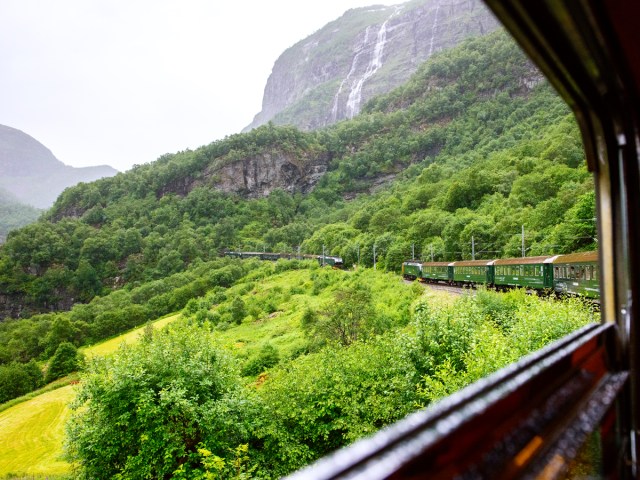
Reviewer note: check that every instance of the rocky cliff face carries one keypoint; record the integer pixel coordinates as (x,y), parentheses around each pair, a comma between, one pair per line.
(258,176)
(35,177)
(328,76)
(253,176)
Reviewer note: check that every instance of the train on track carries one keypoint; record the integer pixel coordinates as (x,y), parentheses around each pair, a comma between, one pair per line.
(323,260)
(571,274)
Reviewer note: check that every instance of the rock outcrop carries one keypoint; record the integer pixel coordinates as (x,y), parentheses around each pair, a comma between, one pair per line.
(329,75)
(259,175)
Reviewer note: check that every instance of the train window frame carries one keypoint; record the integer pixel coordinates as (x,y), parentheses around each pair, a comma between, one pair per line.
(588,51)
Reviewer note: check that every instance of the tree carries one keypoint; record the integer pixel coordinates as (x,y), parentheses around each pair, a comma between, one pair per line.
(349,317)
(64,361)
(238,310)
(150,410)
(19,378)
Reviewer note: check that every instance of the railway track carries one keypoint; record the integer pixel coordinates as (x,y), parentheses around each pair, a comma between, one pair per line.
(443,287)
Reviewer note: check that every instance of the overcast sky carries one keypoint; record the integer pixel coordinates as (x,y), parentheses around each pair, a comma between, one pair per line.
(121,82)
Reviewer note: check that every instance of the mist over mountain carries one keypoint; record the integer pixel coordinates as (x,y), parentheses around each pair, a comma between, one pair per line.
(33,175)
(332,73)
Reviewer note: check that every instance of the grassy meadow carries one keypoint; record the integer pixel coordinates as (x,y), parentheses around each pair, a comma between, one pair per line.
(31,435)
(32,431)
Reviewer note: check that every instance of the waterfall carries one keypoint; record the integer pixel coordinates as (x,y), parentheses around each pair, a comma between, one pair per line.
(352,71)
(375,62)
(433,29)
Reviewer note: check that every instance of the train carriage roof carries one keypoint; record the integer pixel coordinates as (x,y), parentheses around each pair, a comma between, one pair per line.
(436,264)
(523,260)
(580,257)
(472,263)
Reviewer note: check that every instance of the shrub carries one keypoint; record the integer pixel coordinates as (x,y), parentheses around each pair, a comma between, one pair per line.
(266,358)
(149,410)
(64,361)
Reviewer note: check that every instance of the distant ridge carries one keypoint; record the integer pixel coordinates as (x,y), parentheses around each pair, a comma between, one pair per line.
(33,175)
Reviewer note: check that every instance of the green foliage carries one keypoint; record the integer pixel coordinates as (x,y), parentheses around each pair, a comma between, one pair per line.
(175,404)
(41,335)
(325,400)
(473,151)
(350,316)
(458,344)
(17,379)
(14,214)
(266,358)
(237,310)
(155,408)
(64,361)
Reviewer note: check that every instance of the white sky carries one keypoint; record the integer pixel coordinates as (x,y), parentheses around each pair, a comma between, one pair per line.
(120,82)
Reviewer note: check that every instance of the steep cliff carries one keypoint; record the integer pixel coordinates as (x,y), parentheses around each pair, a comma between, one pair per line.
(328,76)
(30,172)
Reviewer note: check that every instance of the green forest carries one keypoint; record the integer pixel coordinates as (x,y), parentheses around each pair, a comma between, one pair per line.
(475,145)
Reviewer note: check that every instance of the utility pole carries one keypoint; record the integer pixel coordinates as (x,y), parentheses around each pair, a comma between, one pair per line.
(323,255)
(374,256)
(523,250)
(413,252)
(298,252)
(432,252)
(473,248)
(358,254)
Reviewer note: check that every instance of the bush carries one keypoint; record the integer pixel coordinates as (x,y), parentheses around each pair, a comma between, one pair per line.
(64,361)
(17,379)
(266,358)
(154,408)
(325,400)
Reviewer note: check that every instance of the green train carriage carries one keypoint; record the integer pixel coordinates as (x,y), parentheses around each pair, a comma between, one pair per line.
(411,270)
(437,272)
(576,274)
(526,272)
(472,272)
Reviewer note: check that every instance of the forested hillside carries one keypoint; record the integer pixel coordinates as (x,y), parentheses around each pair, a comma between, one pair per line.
(474,145)
(14,214)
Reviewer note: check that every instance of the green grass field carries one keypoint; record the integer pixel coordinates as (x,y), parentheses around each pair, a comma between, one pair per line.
(31,435)
(111,345)
(32,432)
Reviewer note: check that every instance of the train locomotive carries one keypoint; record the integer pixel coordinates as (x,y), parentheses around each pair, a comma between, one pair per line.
(571,274)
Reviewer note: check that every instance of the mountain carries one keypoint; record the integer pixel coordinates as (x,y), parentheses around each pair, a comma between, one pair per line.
(474,145)
(14,214)
(331,74)
(33,175)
